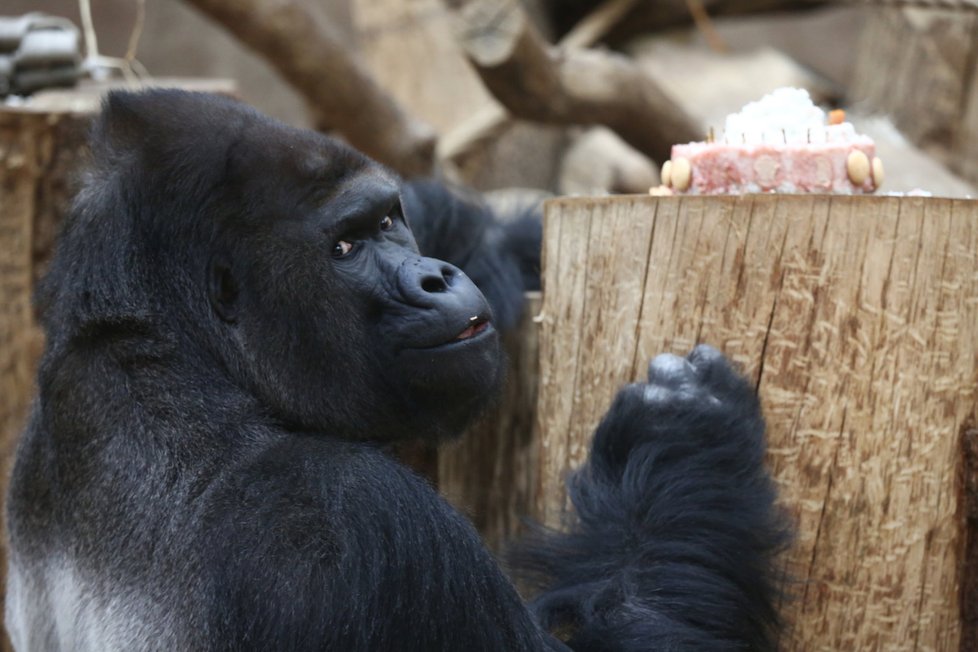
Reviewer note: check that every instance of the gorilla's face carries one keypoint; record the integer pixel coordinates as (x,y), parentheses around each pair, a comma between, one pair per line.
(276,260)
(338,322)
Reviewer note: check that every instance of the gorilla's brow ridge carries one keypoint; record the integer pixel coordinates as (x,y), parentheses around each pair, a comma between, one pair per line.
(327,175)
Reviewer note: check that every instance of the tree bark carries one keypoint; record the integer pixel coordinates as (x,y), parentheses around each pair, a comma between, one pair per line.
(490,473)
(856,318)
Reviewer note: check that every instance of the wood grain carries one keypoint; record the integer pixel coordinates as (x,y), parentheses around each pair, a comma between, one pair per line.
(856,318)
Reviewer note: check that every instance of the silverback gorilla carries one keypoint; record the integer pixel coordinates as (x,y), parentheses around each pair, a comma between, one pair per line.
(239,323)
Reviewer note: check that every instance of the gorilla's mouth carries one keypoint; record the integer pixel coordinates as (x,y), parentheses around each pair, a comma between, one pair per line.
(478,325)
(479,329)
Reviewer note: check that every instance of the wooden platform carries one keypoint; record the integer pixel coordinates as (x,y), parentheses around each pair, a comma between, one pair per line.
(857,317)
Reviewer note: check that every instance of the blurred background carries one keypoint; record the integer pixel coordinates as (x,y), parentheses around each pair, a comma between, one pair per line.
(472,89)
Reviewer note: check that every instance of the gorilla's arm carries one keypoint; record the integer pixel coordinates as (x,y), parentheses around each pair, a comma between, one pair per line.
(677,527)
(501,254)
(672,548)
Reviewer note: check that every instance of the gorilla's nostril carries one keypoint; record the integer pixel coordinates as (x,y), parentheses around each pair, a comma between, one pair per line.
(441,283)
(432,284)
(426,282)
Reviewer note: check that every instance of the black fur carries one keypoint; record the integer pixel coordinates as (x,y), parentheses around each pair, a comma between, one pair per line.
(204,468)
(674,531)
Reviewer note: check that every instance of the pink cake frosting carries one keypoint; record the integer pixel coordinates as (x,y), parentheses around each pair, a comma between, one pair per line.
(719,168)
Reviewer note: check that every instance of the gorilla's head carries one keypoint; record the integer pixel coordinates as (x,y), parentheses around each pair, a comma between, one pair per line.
(280,260)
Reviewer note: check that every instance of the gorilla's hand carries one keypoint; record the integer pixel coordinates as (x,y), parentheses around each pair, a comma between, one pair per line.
(688,405)
(702,383)
(676,471)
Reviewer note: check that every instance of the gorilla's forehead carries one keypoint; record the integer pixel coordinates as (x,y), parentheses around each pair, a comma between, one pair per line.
(303,155)
(276,162)
(369,192)
(204,150)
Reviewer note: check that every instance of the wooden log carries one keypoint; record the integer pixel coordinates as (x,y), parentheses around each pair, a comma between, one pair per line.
(856,317)
(490,473)
(648,17)
(392,37)
(477,146)
(486,124)
(538,82)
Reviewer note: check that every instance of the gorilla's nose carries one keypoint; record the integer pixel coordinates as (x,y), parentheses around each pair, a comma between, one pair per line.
(428,283)
(437,277)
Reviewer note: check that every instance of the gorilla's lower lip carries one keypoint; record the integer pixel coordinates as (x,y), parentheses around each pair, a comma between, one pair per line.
(477,332)
(477,327)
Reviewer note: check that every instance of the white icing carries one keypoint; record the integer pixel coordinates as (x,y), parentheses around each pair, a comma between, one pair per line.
(786,116)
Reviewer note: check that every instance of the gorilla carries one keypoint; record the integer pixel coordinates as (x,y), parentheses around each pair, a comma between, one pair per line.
(239,325)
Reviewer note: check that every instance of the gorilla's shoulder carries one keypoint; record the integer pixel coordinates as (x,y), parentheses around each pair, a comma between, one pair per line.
(302,483)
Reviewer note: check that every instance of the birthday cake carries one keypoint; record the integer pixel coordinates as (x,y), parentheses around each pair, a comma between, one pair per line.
(782,143)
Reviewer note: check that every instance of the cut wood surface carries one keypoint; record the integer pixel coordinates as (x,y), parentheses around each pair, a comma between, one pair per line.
(490,473)
(857,318)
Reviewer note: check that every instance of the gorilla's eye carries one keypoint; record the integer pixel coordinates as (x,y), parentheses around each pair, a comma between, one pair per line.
(387,223)
(342,248)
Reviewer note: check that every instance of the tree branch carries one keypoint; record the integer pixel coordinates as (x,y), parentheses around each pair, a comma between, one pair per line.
(312,57)
(539,82)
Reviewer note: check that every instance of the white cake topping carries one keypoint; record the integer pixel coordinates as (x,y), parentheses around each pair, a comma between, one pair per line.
(786,116)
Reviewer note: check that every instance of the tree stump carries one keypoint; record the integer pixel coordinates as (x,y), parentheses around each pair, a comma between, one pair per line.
(857,318)
(490,473)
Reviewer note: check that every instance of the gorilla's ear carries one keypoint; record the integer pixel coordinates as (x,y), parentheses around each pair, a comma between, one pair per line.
(222,290)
